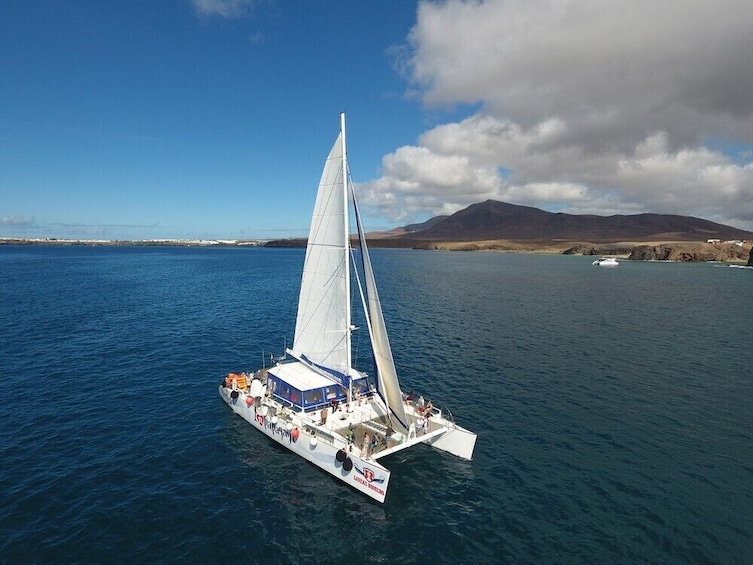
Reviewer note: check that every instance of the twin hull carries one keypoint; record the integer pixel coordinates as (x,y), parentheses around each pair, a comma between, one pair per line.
(368,477)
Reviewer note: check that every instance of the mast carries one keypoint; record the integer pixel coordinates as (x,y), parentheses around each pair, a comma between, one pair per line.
(348,322)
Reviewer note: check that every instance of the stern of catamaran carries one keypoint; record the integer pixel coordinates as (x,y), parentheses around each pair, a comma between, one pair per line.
(439,431)
(455,440)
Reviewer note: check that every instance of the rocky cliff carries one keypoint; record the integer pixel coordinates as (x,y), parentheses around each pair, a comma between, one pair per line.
(606,249)
(750,258)
(686,251)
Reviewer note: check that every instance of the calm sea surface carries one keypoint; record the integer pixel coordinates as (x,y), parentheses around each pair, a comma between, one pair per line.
(614,411)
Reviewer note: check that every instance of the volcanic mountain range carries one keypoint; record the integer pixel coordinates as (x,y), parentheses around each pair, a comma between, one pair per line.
(494,220)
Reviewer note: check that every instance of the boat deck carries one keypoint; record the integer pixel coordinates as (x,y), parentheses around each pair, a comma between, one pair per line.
(364,418)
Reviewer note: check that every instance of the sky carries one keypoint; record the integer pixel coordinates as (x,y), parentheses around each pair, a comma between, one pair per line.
(212,118)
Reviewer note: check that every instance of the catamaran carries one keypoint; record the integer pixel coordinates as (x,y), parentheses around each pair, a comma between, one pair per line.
(312,400)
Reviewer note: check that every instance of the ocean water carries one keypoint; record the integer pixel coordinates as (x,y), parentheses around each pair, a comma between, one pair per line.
(613,411)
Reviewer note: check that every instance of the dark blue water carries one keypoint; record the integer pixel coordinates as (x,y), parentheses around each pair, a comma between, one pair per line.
(612,406)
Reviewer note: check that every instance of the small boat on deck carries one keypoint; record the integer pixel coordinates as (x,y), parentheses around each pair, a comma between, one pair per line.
(313,401)
(606,262)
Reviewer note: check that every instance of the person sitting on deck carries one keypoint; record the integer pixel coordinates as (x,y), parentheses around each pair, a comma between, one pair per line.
(428,409)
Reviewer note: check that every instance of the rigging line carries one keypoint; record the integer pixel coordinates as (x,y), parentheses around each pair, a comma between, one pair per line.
(360,291)
(366,316)
(389,392)
(382,394)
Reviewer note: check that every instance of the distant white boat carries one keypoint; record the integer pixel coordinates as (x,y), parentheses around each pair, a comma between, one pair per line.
(606,262)
(314,402)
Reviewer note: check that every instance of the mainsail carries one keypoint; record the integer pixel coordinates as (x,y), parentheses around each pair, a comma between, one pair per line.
(322,328)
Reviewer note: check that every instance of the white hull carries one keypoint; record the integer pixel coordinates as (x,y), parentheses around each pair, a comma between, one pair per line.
(369,477)
(606,262)
(320,444)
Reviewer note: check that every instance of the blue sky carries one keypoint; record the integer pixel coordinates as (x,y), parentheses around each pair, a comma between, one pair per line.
(212,118)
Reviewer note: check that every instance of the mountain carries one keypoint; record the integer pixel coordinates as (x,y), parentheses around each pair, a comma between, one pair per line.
(407,230)
(411,228)
(493,220)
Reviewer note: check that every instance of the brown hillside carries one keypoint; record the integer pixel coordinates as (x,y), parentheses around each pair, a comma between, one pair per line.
(493,220)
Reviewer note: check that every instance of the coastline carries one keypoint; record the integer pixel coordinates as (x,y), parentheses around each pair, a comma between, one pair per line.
(661,250)
(135,242)
(651,250)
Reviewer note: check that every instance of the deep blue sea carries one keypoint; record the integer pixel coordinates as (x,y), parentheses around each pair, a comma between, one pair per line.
(614,411)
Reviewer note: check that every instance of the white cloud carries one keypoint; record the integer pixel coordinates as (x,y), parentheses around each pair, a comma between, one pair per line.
(223,8)
(592,106)
(17,221)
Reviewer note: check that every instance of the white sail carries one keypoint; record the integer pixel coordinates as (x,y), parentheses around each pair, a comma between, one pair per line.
(323,320)
(322,333)
(387,382)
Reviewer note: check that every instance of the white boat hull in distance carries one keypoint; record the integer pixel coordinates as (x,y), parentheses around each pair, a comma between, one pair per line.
(606,262)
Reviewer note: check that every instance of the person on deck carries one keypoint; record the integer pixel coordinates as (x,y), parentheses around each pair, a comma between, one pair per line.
(324,416)
(374,443)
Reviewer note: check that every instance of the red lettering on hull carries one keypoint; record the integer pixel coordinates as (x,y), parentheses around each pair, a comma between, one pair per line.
(368,484)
